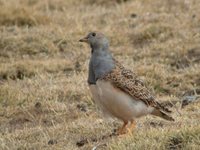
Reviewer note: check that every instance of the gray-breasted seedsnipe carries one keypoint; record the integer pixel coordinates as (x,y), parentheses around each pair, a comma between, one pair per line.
(117,90)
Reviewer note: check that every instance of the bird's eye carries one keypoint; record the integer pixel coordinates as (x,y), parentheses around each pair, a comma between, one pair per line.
(93,34)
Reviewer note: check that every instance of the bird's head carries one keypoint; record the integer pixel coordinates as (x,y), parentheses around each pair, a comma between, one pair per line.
(97,41)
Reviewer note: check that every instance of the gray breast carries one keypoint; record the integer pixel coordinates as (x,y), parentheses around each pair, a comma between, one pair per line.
(102,63)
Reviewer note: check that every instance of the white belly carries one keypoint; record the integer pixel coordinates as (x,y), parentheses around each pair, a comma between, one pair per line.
(117,103)
(95,94)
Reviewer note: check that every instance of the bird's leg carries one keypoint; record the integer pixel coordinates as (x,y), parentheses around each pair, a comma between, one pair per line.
(132,126)
(122,130)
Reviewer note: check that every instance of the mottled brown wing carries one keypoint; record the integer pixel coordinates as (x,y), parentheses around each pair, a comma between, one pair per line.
(127,81)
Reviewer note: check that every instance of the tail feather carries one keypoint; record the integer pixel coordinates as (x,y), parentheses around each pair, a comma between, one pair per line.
(163,115)
(165,109)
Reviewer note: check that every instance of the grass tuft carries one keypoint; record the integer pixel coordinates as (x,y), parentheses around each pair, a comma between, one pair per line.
(20,16)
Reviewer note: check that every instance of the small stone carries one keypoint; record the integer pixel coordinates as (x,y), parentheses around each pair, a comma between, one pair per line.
(82,107)
(133,15)
(82,142)
(52,142)
(38,105)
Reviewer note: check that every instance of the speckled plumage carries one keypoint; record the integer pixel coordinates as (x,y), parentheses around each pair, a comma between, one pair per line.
(128,82)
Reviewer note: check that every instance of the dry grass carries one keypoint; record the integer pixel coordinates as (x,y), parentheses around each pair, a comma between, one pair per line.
(44,99)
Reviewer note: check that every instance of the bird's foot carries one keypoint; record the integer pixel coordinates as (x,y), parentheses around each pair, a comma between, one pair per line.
(126,129)
(131,127)
(122,130)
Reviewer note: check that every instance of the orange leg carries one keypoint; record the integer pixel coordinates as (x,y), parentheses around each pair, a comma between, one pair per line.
(132,126)
(122,130)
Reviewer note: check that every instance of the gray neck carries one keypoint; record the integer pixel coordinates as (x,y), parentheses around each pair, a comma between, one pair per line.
(99,47)
(101,62)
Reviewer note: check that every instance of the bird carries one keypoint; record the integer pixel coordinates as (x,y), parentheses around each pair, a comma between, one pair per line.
(118,91)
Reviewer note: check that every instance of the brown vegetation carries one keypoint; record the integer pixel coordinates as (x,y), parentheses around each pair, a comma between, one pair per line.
(44,99)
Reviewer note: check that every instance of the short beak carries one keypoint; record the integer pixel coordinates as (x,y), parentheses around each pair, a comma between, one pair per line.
(85,39)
